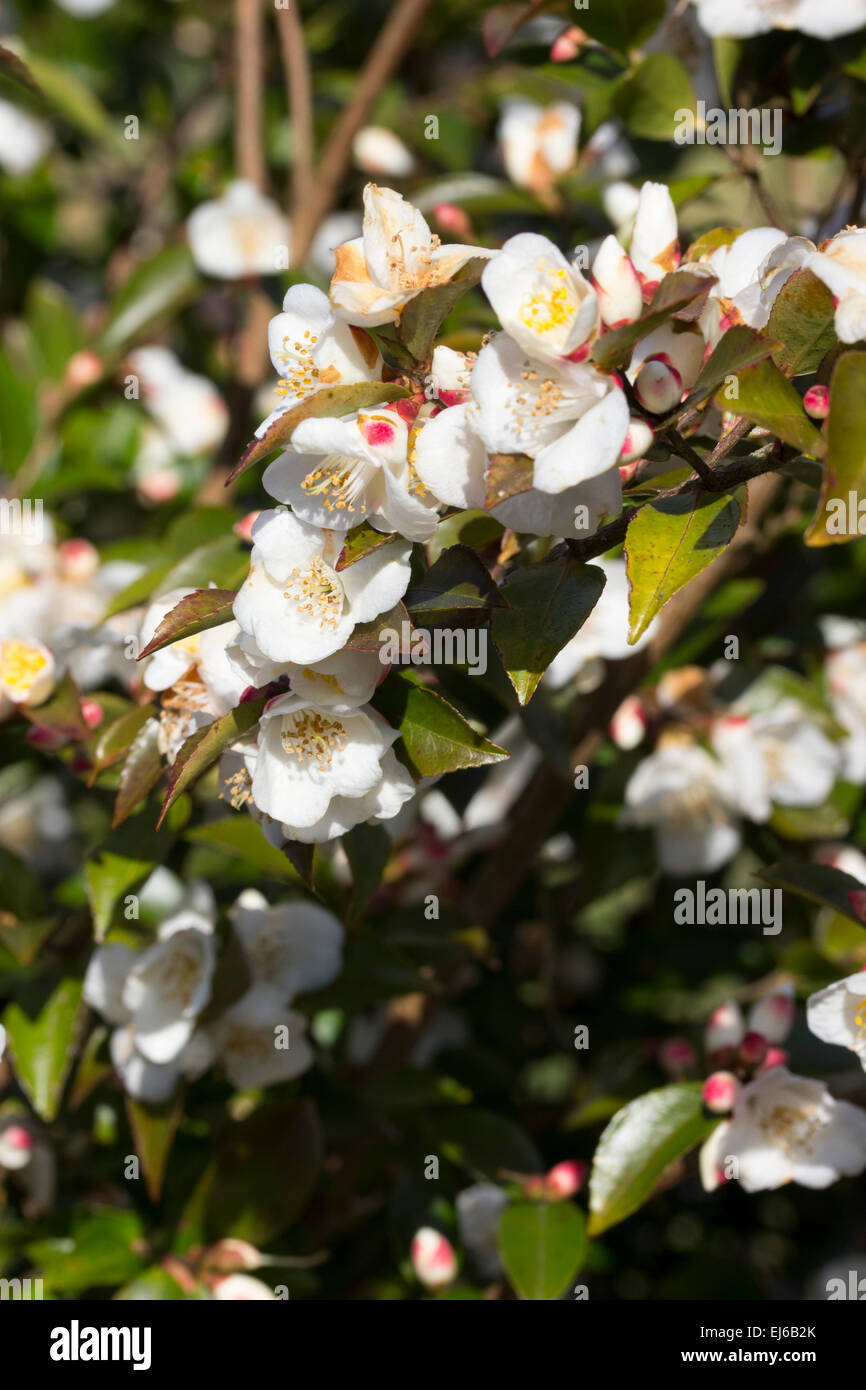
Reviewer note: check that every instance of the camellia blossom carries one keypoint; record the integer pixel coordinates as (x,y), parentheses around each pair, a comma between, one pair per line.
(779,756)
(845,671)
(542,301)
(341,472)
(242,233)
(690,802)
(538,143)
(654,246)
(23,139)
(379,151)
(395,258)
(837,1014)
(841,264)
(316,773)
(785,1128)
(190,411)
(821,19)
(291,946)
(27,671)
(295,604)
(260,1041)
(751,271)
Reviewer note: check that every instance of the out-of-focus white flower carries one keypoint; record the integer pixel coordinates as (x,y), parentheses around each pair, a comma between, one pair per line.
(603,637)
(433,1258)
(778,756)
(688,799)
(542,301)
(479,1210)
(191,412)
(395,258)
(845,669)
(846,858)
(293,946)
(725,1028)
(378,151)
(242,1288)
(841,264)
(259,1041)
(27,671)
(837,1014)
(785,1129)
(538,143)
(242,233)
(822,19)
(85,9)
(337,228)
(341,472)
(621,201)
(296,605)
(316,773)
(772,1016)
(23,139)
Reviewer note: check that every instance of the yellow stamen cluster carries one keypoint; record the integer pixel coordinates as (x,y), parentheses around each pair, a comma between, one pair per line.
(551,308)
(310,737)
(20,665)
(238,789)
(302,376)
(317,592)
(338,486)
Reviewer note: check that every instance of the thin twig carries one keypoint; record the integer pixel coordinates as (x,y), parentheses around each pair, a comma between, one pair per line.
(299,94)
(381,62)
(249,154)
(684,450)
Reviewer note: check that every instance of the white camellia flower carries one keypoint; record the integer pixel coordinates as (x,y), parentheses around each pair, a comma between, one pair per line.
(603,637)
(689,800)
(27,671)
(316,773)
(538,143)
(379,151)
(294,947)
(845,669)
(23,139)
(296,605)
(841,264)
(822,19)
(751,270)
(542,301)
(192,413)
(785,1129)
(242,233)
(779,756)
(340,682)
(620,201)
(341,472)
(259,1041)
(312,349)
(395,258)
(654,246)
(571,419)
(837,1014)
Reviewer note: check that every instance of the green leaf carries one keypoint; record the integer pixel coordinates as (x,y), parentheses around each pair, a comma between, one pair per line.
(436,738)
(368,637)
(845,465)
(650,97)
(802,320)
(263,1172)
(54,326)
(726,56)
(457,580)
(140,773)
(43,1046)
(13,70)
(507,476)
(153,1130)
(74,100)
(331,400)
(102,1251)
(223,562)
(548,604)
(637,1146)
(243,838)
(61,712)
(818,883)
(118,736)
(360,541)
(680,296)
(19,416)
(764,395)
(543,1245)
(668,542)
(107,879)
(158,287)
(485,1142)
(368,849)
(196,612)
(622,24)
(203,747)
(423,316)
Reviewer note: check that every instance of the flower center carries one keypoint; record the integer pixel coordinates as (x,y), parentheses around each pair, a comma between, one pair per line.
(20,665)
(310,737)
(551,306)
(316,592)
(302,374)
(340,482)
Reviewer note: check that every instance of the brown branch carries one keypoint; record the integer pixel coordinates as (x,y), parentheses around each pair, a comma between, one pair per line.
(249,153)
(299,95)
(684,450)
(381,62)
(549,790)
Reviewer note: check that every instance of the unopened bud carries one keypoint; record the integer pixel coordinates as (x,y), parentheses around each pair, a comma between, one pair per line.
(720,1092)
(565,1179)
(676,1055)
(567,45)
(628,726)
(84,369)
(638,439)
(773,1016)
(658,386)
(817,402)
(753,1050)
(433,1258)
(725,1028)
(454,220)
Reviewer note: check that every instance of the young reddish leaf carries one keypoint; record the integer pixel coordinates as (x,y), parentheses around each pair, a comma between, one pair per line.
(140,773)
(680,296)
(203,747)
(194,613)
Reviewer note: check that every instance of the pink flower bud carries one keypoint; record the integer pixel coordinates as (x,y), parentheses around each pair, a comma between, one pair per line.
(776,1057)
(83,369)
(244,527)
(17,1137)
(817,402)
(725,1027)
(628,726)
(638,439)
(91,713)
(565,1179)
(773,1016)
(567,45)
(231,1254)
(433,1258)
(160,485)
(677,1055)
(79,560)
(454,220)
(753,1050)
(658,386)
(720,1092)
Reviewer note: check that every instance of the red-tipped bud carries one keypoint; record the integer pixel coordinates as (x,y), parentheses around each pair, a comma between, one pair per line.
(567,45)
(565,1179)
(433,1258)
(720,1092)
(753,1050)
(91,713)
(17,1137)
(776,1057)
(454,220)
(628,726)
(658,386)
(725,1028)
(773,1016)
(817,402)
(83,369)
(676,1055)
